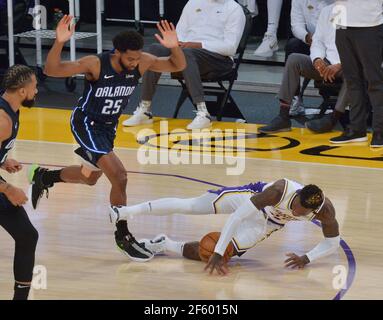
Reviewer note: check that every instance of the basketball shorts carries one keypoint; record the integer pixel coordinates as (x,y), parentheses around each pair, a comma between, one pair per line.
(95,139)
(253,229)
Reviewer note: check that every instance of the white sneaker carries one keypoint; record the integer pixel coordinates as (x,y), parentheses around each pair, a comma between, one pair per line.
(297,108)
(157,245)
(140,116)
(201,121)
(268,46)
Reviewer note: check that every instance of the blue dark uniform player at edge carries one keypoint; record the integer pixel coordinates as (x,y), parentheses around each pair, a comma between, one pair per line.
(20,87)
(111,78)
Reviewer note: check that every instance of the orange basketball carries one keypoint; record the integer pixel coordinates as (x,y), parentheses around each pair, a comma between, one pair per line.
(207,245)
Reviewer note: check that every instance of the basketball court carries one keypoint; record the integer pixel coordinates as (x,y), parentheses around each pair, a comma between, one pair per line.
(76,246)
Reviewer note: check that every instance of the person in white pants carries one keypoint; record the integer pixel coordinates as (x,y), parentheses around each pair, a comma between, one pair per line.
(269,43)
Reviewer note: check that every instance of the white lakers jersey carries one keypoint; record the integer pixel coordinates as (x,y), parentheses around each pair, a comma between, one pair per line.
(281,213)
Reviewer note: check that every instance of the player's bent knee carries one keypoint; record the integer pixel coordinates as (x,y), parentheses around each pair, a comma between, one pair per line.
(120,179)
(27,237)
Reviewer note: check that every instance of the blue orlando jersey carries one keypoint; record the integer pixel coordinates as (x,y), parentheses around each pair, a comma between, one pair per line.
(104,100)
(8,144)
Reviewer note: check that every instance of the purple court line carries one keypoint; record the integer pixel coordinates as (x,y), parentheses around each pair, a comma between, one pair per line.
(351,266)
(347,250)
(177,176)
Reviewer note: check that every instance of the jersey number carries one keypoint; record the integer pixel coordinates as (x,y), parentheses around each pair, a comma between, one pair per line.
(112,107)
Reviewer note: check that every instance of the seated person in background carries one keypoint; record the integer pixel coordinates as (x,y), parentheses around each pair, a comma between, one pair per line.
(269,43)
(304,19)
(322,64)
(209,32)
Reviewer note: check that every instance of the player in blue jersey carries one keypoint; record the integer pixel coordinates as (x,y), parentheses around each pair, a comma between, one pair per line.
(111,78)
(20,89)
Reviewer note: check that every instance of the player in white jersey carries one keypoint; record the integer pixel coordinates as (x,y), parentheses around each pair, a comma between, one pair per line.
(256,211)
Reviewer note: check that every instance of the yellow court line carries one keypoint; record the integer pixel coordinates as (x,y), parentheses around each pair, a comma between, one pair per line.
(52,125)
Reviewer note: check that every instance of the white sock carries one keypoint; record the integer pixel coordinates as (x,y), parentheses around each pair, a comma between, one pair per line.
(201,106)
(175,246)
(274,8)
(145,104)
(159,207)
(130,211)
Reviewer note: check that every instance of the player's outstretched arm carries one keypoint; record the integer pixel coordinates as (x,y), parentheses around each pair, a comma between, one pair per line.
(329,245)
(54,67)
(253,206)
(175,62)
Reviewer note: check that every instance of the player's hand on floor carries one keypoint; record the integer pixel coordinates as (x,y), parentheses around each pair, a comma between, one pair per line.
(217,263)
(295,261)
(11,166)
(16,195)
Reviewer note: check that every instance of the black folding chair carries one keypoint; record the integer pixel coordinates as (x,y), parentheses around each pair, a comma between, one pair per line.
(224,106)
(329,92)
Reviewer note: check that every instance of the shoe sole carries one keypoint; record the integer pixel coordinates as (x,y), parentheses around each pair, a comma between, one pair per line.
(30,175)
(349,141)
(138,124)
(134,258)
(282,130)
(30,198)
(376,145)
(199,128)
(31,172)
(266,55)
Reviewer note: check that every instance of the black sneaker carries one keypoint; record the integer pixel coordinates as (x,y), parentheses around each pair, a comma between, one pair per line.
(129,246)
(278,124)
(377,140)
(349,136)
(37,187)
(322,125)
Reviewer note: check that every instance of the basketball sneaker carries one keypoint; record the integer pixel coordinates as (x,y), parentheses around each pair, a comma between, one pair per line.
(202,120)
(129,246)
(268,46)
(157,245)
(140,116)
(350,136)
(278,124)
(37,187)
